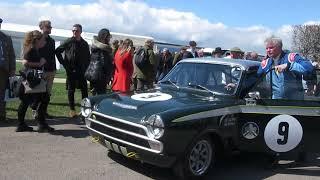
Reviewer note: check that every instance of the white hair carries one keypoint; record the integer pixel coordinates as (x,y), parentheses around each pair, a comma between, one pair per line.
(274,40)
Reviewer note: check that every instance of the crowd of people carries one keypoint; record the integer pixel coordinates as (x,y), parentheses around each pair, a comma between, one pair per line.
(113,64)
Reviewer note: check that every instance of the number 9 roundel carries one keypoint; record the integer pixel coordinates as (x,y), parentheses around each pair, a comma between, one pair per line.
(283,133)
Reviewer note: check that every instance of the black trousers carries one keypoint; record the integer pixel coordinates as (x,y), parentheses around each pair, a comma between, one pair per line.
(41,99)
(84,93)
(76,80)
(141,84)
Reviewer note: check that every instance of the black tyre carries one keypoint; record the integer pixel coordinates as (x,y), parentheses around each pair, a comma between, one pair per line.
(197,160)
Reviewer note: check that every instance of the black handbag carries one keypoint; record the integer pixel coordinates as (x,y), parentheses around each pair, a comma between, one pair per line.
(33,81)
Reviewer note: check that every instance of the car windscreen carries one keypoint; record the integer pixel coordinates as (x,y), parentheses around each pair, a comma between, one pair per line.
(219,78)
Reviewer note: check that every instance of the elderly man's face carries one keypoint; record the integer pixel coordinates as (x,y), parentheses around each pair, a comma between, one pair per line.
(273,50)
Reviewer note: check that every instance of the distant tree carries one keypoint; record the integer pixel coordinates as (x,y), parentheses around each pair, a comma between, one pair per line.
(306,40)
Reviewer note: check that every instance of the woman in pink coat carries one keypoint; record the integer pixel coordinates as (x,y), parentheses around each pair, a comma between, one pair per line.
(123,67)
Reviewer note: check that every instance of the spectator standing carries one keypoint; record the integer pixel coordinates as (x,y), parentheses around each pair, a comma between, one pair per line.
(288,70)
(235,53)
(143,78)
(101,52)
(254,56)
(32,60)
(247,56)
(47,52)
(179,56)
(115,46)
(7,68)
(75,61)
(217,53)
(165,64)
(192,51)
(123,67)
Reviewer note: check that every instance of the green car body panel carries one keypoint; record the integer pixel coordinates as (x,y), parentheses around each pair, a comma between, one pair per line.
(189,112)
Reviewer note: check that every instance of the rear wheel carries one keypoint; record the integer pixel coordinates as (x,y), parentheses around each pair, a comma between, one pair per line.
(197,160)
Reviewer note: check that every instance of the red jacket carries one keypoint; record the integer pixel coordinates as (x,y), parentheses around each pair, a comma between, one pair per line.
(123,71)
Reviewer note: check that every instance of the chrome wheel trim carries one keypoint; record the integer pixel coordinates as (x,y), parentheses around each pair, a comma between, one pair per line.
(200,157)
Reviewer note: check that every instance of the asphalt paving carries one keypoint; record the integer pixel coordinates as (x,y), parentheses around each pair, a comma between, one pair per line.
(70,154)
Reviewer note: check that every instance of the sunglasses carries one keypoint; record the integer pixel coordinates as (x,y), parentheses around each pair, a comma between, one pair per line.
(75,30)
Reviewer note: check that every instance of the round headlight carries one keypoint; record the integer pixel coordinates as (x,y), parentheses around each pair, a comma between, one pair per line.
(86,107)
(155,126)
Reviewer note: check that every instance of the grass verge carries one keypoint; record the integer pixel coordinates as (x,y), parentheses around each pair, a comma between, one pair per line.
(58,104)
(61,73)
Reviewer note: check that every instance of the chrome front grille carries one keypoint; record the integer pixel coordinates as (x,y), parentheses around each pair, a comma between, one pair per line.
(123,131)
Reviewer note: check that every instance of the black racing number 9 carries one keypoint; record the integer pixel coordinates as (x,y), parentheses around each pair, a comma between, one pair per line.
(283,130)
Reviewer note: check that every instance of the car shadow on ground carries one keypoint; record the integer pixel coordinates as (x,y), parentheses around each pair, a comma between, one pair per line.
(142,168)
(83,133)
(76,133)
(56,120)
(249,166)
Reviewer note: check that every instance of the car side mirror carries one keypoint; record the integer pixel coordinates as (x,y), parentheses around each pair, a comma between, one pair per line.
(254,95)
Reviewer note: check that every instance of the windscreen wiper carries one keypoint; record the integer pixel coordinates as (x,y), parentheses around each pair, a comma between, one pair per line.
(202,88)
(170,82)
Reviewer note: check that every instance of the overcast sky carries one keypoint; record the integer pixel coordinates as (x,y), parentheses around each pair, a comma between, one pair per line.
(211,23)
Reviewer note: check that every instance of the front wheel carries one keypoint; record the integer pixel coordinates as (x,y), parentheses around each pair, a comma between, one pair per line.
(197,159)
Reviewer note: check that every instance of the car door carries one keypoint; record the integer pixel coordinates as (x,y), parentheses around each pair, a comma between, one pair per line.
(280,125)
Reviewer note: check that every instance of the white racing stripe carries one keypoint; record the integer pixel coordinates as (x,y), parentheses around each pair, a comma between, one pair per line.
(257,109)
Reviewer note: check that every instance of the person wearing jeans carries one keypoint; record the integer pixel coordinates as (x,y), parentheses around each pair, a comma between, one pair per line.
(47,52)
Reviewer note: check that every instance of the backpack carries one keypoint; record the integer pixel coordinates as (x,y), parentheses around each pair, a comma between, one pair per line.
(95,70)
(141,58)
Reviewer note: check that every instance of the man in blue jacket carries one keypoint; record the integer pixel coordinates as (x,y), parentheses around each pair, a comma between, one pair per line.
(286,70)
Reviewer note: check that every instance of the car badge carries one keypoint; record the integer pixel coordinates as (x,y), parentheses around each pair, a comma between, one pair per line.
(250,130)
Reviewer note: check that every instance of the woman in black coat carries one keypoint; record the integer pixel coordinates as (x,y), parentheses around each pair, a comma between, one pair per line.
(32,61)
(101,56)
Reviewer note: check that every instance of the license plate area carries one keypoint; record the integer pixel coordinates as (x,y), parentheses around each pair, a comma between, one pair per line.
(120,149)
(115,147)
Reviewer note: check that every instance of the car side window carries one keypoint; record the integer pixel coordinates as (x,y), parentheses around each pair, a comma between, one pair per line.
(263,88)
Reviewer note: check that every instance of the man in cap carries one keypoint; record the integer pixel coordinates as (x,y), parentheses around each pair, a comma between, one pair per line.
(192,51)
(7,68)
(236,53)
(217,53)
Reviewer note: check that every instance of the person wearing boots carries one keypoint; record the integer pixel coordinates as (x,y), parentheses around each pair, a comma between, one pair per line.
(32,61)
